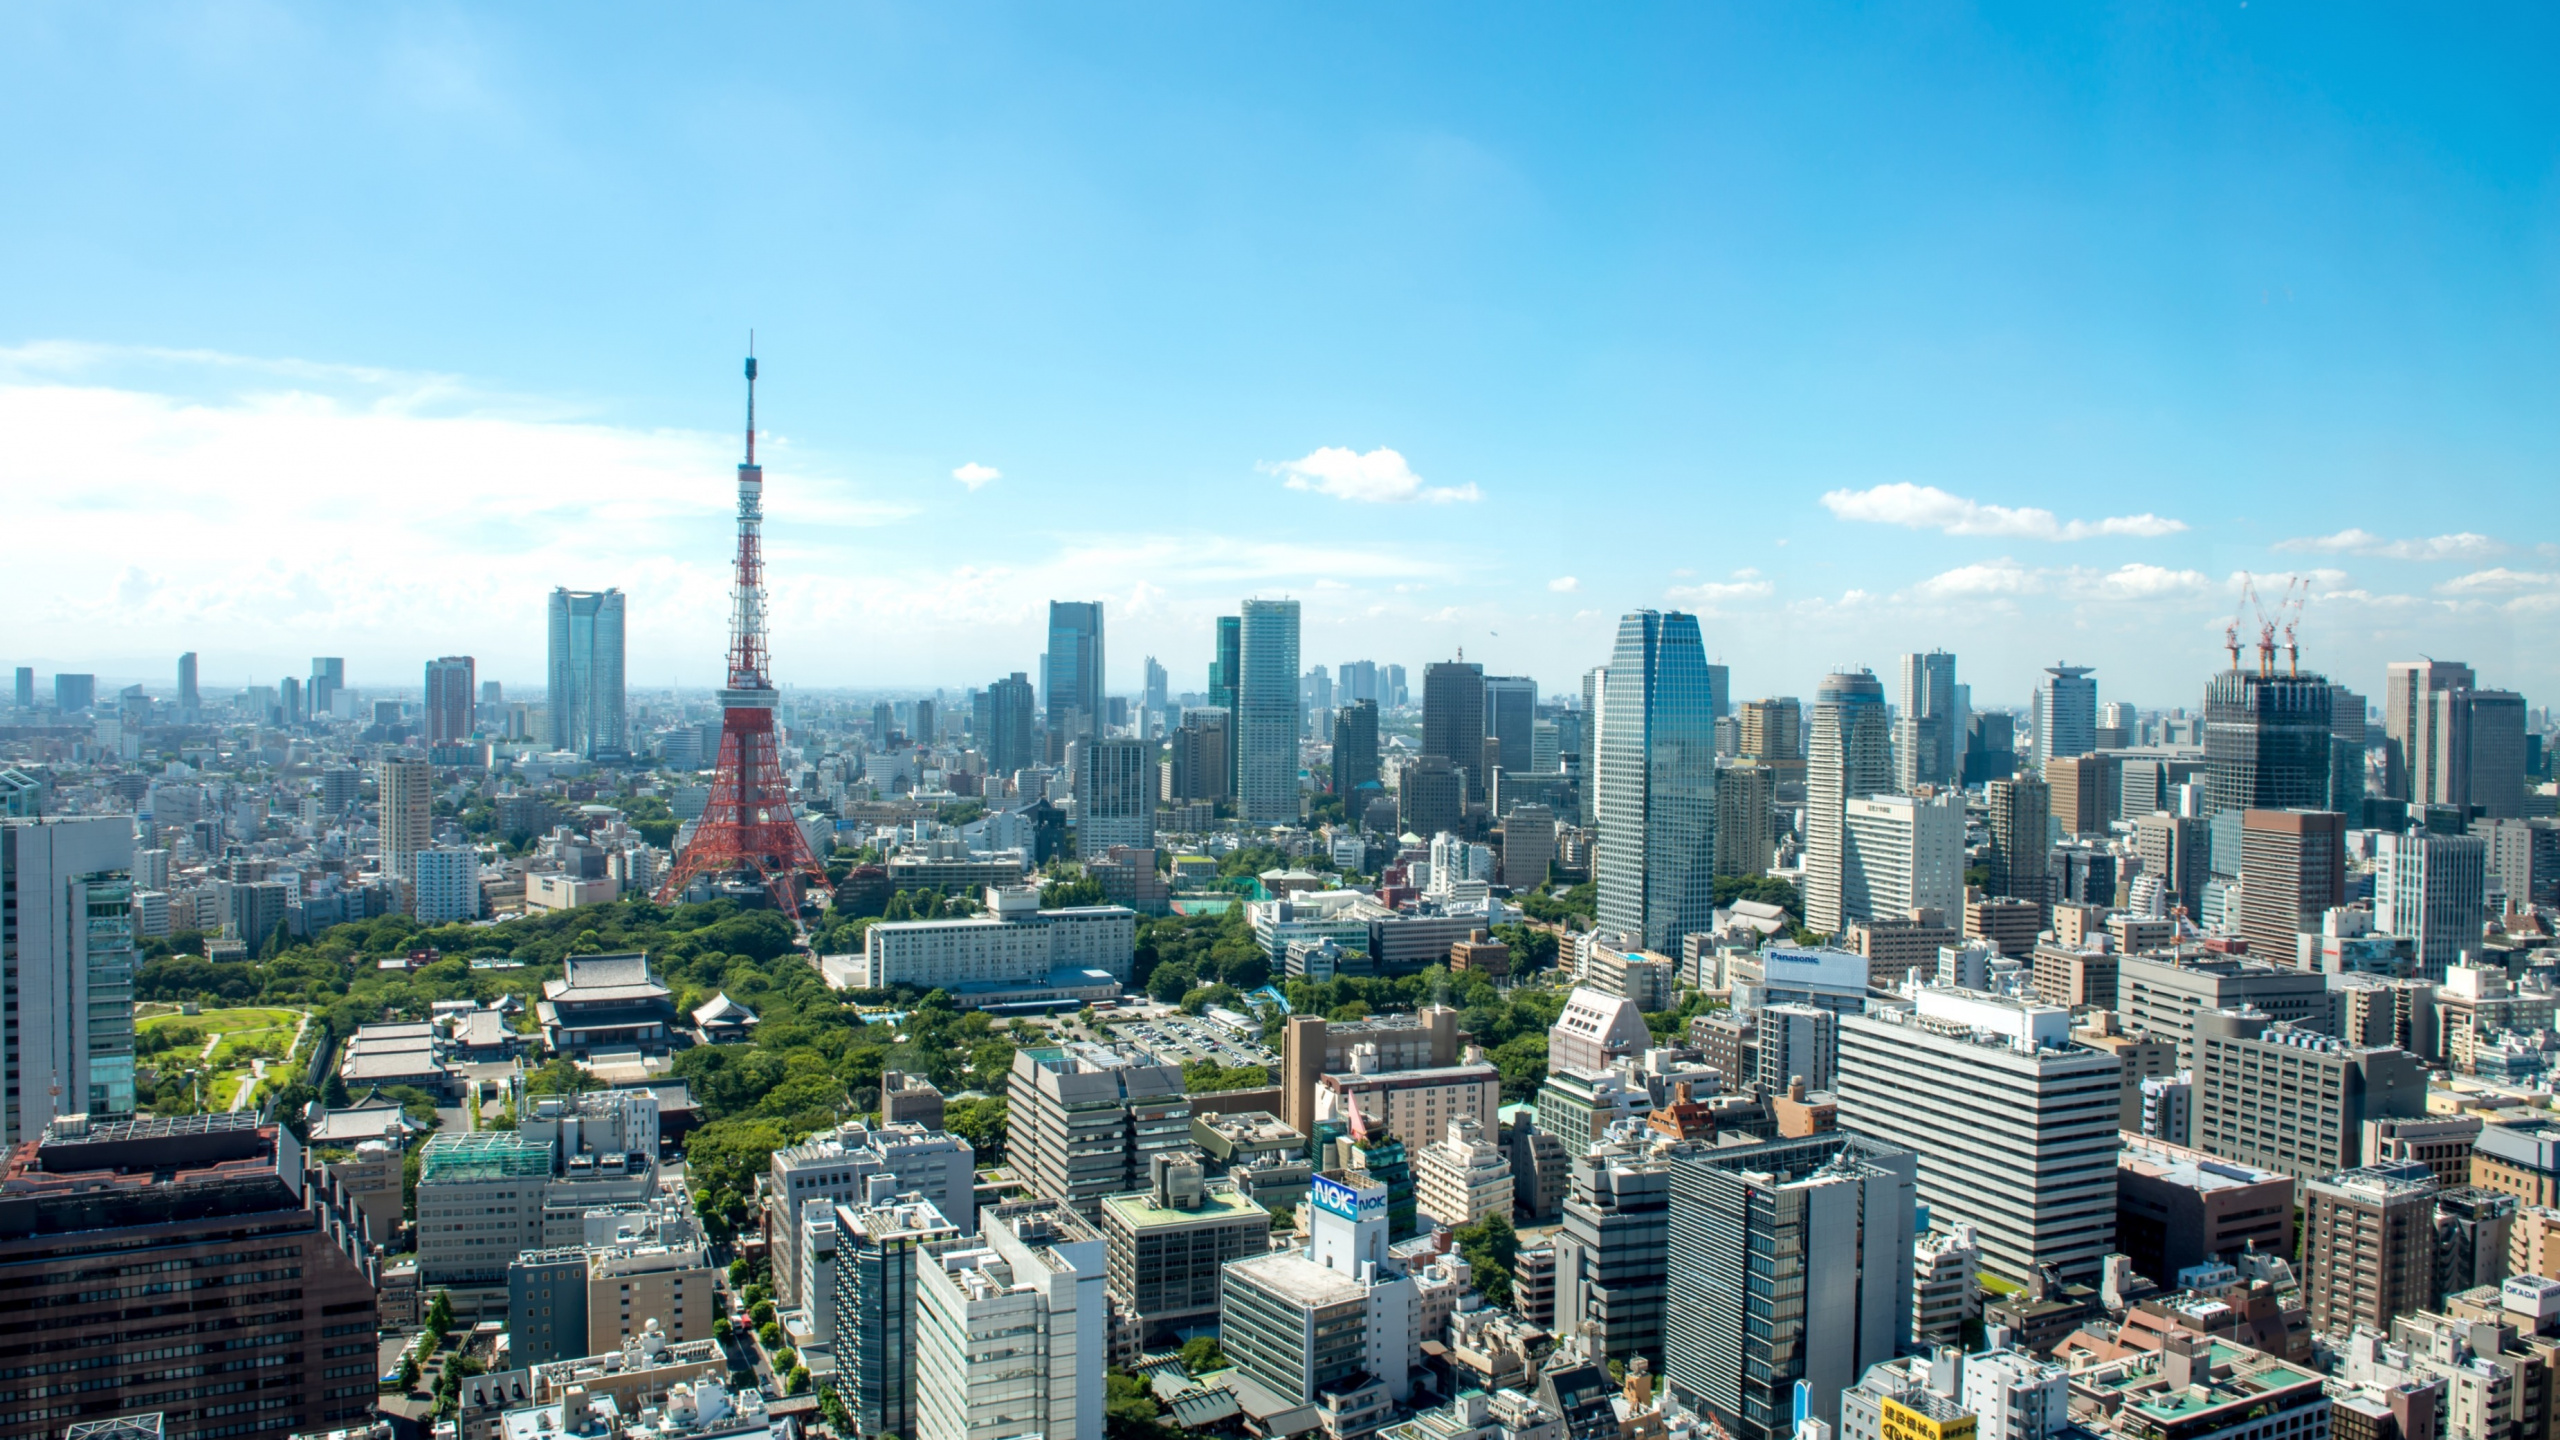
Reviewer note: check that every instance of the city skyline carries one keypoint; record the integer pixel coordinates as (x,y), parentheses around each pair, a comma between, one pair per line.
(2002,406)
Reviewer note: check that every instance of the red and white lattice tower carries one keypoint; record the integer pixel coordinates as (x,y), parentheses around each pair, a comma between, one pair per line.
(748,828)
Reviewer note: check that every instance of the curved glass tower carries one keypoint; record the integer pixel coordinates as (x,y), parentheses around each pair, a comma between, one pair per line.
(1656,790)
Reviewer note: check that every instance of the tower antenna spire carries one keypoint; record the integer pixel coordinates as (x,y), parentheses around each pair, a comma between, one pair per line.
(751,397)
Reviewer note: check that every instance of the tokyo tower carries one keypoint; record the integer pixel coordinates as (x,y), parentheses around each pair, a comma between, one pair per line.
(747,828)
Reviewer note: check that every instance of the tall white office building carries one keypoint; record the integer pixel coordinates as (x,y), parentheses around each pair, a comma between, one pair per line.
(2066,713)
(1657,782)
(1851,756)
(1268,714)
(584,710)
(66,971)
(447,887)
(2433,889)
(1900,853)
(2014,1122)
(1011,1333)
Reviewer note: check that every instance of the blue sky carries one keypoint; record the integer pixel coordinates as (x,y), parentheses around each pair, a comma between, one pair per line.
(2018,330)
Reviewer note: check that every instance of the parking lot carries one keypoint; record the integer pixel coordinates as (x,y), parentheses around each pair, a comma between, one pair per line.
(1179,1039)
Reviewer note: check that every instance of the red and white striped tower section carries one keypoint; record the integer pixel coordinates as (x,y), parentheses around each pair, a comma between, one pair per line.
(747,828)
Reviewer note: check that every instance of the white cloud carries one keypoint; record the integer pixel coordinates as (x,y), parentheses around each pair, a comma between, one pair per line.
(2498,581)
(1564,584)
(1380,477)
(2464,546)
(1926,507)
(2003,576)
(2151,582)
(976,476)
(1744,584)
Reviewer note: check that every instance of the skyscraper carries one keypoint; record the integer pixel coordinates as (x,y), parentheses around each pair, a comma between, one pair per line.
(584,707)
(1657,782)
(328,677)
(2021,837)
(2292,868)
(1267,717)
(2407,722)
(1927,746)
(2468,752)
(67,948)
(2066,713)
(1355,747)
(2346,750)
(1588,774)
(1202,765)
(406,790)
(449,689)
(1226,665)
(2432,889)
(74,694)
(1115,789)
(1900,853)
(1357,680)
(1510,716)
(1789,1263)
(1852,757)
(1073,685)
(1453,718)
(2267,741)
(1008,742)
(1157,695)
(190,703)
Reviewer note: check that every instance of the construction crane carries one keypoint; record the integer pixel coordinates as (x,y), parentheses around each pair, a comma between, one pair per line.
(2248,602)
(2296,591)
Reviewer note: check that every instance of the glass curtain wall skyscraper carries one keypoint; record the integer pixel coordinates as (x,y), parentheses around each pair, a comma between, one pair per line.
(68,978)
(1656,790)
(1510,716)
(1267,713)
(1927,743)
(2066,713)
(1073,684)
(1453,718)
(583,712)
(1224,666)
(1852,757)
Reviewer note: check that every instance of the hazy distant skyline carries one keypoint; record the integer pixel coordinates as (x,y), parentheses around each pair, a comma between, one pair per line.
(2016,332)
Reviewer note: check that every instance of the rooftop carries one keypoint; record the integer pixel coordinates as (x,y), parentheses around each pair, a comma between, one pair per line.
(483,1155)
(1290,1275)
(1139,1211)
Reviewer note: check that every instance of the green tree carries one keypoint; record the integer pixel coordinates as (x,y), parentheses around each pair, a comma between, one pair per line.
(440,1315)
(1200,1354)
(1489,1246)
(561,1077)
(798,1383)
(831,1409)
(769,1335)
(981,1122)
(1129,1410)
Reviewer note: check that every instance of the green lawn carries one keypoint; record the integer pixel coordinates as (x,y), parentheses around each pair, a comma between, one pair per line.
(240,1036)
